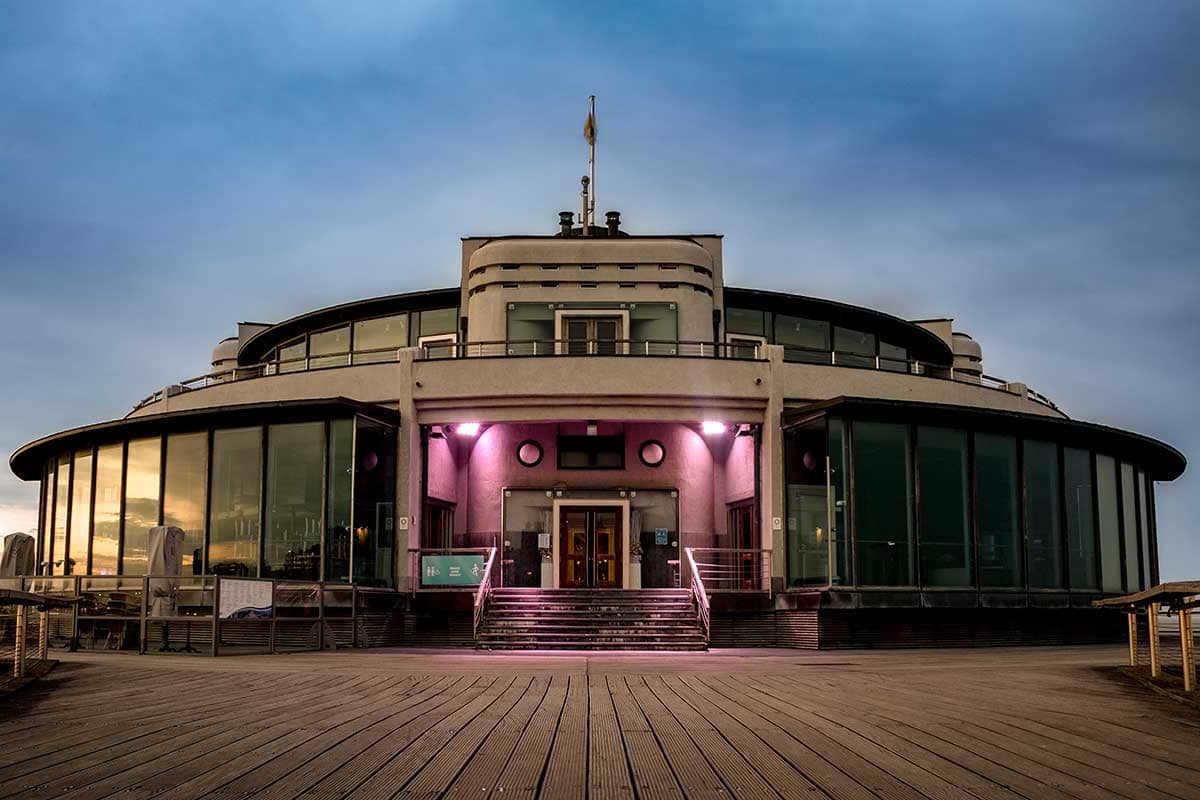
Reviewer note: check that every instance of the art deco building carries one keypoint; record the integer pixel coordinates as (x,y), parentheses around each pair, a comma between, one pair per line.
(604,411)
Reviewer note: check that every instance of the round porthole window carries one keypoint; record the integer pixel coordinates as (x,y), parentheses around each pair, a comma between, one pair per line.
(529,453)
(652,453)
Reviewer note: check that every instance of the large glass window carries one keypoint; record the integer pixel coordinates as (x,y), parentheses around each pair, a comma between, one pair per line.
(236,491)
(295,469)
(944,507)
(338,509)
(81,514)
(745,320)
(854,348)
(1144,530)
(893,358)
(62,499)
(373,543)
(1109,518)
(653,328)
(376,340)
(183,494)
(1129,529)
(996,511)
(106,531)
(1043,515)
(143,464)
(1081,518)
(883,505)
(291,356)
(804,340)
(434,322)
(807,510)
(329,348)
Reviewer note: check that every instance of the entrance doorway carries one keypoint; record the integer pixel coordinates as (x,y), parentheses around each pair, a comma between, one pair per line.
(590,549)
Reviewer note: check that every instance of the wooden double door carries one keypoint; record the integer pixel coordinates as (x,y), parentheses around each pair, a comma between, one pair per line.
(590,547)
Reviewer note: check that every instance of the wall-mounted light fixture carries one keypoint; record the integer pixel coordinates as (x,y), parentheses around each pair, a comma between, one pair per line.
(467,429)
(712,427)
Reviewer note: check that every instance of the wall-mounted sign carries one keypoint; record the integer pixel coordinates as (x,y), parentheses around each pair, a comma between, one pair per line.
(660,536)
(543,541)
(776,523)
(402,523)
(451,570)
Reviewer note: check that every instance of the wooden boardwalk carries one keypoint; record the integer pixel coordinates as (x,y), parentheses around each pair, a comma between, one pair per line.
(1039,724)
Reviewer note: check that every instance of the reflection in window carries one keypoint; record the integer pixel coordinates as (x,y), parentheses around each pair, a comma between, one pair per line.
(106,533)
(945,525)
(183,494)
(1129,530)
(374,498)
(1081,518)
(81,513)
(329,348)
(58,553)
(883,505)
(143,463)
(376,340)
(745,320)
(1043,517)
(292,529)
(340,481)
(807,511)
(236,491)
(1109,517)
(996,512)
(854,348)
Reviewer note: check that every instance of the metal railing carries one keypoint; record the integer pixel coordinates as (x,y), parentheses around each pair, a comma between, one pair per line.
(574,348)
(483,593)
(732,569)
(699,594)
(209,614)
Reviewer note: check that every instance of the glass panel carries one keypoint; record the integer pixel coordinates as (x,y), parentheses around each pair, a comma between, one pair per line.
(745,320)
(442,320)
(807,512)
(576,336)
(341,478)
(61,501)
(329,348)
(47,533)
(106,533)
(530,328)
(1108,512)
(1129,530)
(236,491)
(883,505)
(607,333)
(143,464)
(291,356)
(81,514)
(183,494)
(386,334)
(854,348)
(655,328)
(374,502)
(799,332)
(839,486)
(1081,518)
(1144,528)
(996,511)
(295,468)
(944,522)
(1043,516)
(893,358)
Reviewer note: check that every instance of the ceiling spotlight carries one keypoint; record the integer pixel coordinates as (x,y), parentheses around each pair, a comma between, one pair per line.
(467,429)
(713,427)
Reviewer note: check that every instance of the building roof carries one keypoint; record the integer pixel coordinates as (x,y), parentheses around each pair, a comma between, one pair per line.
(29,461)
(1160,461)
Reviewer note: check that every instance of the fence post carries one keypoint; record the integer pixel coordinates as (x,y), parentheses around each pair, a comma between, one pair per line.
(19,644)
(274,614)
(1152,625)
(320,617)
(1188,648)
(1131,617)
(43,634)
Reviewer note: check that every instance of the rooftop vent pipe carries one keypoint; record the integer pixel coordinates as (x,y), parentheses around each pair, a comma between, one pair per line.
(613,220)
(566,219)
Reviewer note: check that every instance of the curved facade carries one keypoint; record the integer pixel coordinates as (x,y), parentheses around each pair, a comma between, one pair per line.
(593,406)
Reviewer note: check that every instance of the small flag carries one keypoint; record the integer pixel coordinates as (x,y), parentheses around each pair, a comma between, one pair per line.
(589,128)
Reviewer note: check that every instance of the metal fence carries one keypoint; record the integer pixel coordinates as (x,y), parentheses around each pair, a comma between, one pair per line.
(211,614)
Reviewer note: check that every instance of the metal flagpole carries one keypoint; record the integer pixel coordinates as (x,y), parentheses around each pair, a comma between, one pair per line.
(591,162)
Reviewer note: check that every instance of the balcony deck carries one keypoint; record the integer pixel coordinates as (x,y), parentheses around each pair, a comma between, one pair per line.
(1014,723)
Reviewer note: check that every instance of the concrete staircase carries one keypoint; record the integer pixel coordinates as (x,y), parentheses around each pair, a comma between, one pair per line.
(591,619)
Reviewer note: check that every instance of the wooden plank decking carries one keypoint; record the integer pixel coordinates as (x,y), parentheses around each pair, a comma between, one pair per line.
(1008,724)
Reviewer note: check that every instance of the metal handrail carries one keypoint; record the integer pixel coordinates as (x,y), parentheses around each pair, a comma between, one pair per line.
(729,569)
(699,595)
(484,592)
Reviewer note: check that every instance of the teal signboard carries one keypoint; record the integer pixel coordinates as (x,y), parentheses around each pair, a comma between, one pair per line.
(451,570)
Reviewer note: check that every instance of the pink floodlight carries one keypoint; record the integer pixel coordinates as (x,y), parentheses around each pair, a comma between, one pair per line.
(713,427)
(467,429)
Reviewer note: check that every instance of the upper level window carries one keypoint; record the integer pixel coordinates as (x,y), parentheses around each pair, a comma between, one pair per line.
(854,348)
(329,348)
(745,320)
(591,332)
(893,358)
(434,322)
(376,340)
(805,340)
(291,356)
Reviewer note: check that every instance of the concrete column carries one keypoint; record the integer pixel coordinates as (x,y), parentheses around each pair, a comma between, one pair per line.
(408,470)
(1187,647)
(771,464)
